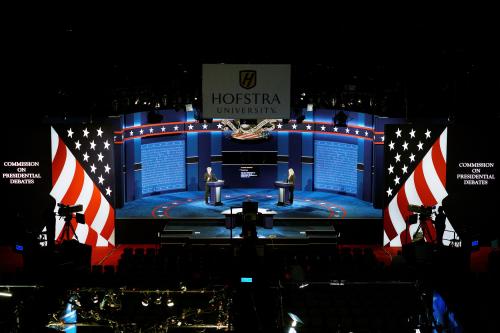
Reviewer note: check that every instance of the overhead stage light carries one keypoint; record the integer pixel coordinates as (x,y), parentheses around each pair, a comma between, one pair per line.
(158,298)
(295,320)
(75,299)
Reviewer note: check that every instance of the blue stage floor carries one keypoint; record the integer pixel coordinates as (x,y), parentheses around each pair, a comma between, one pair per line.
(191,205)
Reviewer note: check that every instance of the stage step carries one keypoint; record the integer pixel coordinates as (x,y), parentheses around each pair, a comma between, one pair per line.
(282,244)
(322,234)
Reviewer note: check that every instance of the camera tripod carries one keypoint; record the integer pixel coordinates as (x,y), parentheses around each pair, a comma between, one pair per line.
(424,228)
(68,227)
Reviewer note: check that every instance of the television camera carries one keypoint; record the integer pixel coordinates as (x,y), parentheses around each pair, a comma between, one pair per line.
(425,214)
(424,211)
(67,211)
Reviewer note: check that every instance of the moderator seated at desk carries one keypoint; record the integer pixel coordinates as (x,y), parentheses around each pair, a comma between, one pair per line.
(266,213)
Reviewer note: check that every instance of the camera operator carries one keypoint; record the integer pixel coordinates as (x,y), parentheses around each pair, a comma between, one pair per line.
(49,221)
(440,224)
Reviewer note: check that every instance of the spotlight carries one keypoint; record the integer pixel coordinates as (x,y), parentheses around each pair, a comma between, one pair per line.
(333,101)
(183,287)
(5,293)
(95,299)
(189,107)
(303,285)
(110,300)
(310,107)
(75,299)
(145,301)
(295,319)
(158,299)
(170,303)
(114,301)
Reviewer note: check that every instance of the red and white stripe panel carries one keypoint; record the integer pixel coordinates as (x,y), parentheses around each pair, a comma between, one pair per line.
(425,186)
(72,186)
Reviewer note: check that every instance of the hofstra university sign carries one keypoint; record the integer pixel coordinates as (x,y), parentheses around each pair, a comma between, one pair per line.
(246,91)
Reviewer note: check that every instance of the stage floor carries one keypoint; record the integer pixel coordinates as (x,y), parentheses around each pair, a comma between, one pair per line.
(191,205)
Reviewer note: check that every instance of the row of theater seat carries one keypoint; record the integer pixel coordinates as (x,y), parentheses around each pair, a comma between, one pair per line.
(218,263)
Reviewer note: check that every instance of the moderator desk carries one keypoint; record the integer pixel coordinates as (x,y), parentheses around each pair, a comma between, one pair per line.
(266,214)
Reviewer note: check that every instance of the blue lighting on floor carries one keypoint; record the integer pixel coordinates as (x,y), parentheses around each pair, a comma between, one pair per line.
(443,317)
(69,318)
(191,204)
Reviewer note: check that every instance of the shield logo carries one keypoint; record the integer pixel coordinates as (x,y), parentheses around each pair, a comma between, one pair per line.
(248,79)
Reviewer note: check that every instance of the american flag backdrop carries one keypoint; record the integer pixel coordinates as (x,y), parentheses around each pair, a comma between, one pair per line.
(82,173)
(415,174)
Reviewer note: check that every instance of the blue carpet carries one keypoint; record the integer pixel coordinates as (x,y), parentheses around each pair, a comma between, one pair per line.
(192,205)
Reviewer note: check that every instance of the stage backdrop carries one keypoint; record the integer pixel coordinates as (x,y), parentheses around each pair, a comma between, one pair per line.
(324,157)
(83,174)
(449,166)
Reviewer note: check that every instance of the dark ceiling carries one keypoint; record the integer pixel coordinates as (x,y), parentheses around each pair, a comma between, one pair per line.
(412,68)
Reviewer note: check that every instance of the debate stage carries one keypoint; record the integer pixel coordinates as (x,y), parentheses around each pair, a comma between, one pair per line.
(185,214)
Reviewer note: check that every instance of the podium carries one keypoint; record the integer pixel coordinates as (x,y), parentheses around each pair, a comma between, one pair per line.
(215,192)
(284,192)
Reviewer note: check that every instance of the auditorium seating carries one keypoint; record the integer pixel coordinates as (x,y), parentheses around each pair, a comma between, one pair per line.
(217,263)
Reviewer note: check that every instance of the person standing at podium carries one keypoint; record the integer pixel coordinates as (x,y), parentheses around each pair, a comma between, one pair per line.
(209,177)
(291,180)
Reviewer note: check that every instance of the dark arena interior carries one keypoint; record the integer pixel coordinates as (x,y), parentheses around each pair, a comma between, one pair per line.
(251,172)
